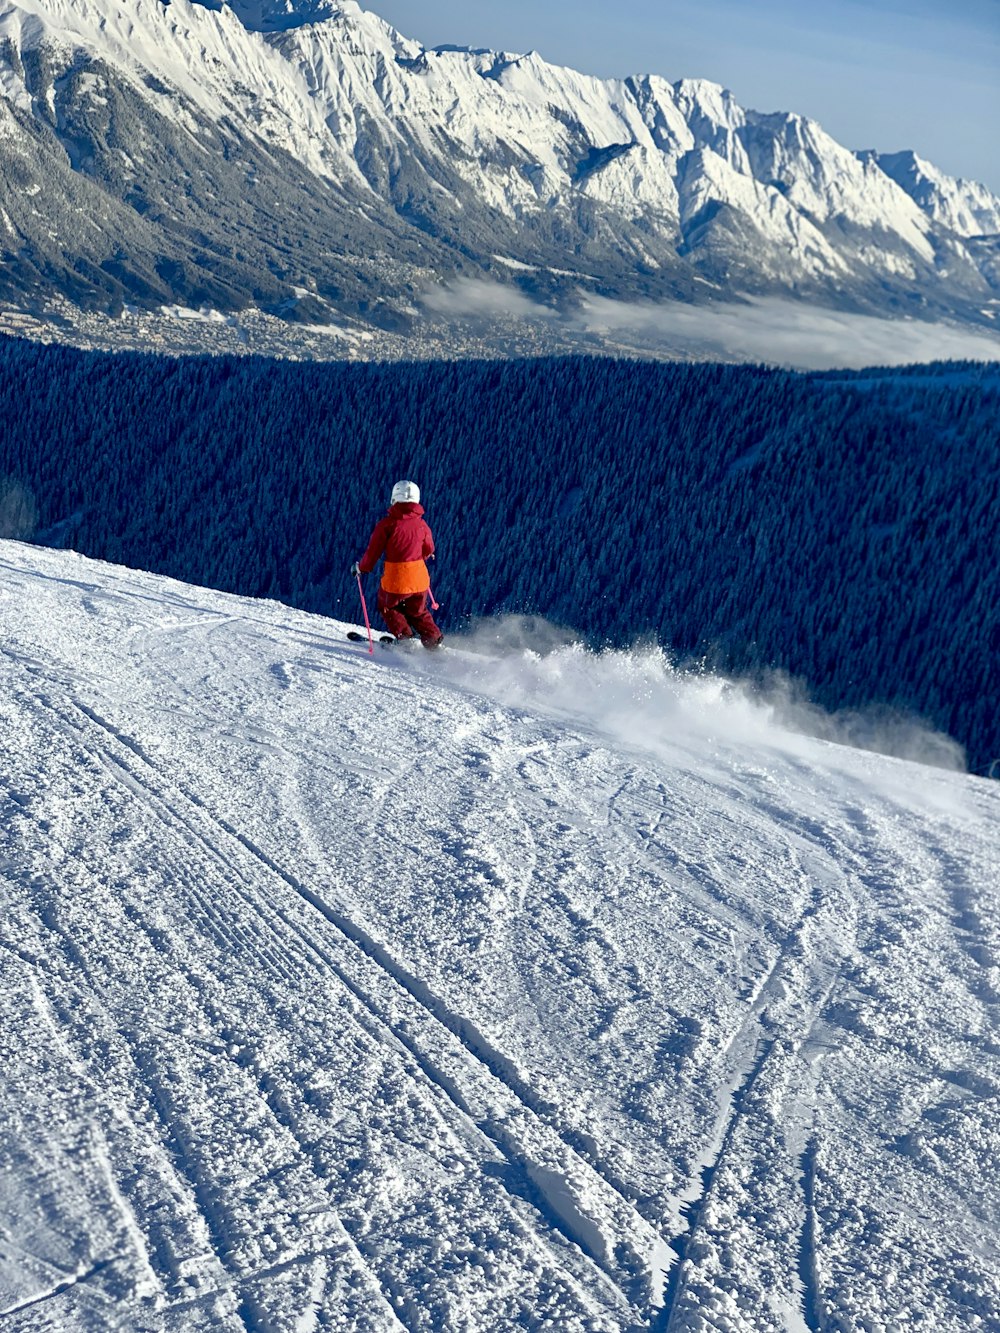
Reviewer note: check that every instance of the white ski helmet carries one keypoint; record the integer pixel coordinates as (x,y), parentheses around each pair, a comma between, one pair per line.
(406,493)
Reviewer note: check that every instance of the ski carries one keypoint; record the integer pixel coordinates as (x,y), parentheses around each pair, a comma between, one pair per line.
(356,636)
(387,641)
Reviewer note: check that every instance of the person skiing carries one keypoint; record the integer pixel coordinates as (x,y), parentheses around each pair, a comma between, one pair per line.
(407,544)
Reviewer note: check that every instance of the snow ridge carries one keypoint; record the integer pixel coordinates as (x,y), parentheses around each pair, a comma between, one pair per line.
(653,184)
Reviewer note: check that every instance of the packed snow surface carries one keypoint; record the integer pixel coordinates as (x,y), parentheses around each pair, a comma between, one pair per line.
(491,989)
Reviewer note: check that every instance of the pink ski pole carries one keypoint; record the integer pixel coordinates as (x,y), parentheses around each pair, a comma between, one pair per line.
(364,608)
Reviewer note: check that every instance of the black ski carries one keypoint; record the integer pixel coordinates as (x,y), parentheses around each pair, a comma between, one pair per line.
(356,636)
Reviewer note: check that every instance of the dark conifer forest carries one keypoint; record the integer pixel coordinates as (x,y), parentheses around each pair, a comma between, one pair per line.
(842,527)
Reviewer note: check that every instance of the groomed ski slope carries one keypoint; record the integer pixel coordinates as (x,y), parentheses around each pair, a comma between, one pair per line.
(471,992)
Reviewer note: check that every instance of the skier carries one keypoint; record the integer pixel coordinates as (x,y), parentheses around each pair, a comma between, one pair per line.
(406,542)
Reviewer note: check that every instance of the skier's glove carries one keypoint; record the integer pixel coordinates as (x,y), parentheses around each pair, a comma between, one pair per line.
(356,570)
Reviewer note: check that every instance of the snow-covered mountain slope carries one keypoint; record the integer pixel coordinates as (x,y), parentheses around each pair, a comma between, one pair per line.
(305,156)
(471,991)
(964,207)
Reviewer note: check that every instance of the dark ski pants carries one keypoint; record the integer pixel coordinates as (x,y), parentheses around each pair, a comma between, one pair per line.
(406,614)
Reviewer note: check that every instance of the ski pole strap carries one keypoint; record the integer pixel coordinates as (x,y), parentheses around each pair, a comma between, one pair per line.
(435,606)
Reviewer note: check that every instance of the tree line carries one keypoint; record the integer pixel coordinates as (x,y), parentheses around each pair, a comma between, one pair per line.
(840,526)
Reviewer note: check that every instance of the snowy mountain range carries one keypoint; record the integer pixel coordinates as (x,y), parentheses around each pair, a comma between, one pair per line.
(501,988)
(304,158)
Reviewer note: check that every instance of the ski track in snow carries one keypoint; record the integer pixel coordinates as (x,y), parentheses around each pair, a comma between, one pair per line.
(473,992)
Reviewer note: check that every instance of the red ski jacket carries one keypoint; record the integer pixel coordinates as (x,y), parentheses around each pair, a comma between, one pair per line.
(405,540)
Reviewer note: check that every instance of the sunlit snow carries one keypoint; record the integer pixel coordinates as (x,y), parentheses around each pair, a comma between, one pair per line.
(509,987)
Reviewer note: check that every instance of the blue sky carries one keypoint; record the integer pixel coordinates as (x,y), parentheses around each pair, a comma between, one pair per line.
(878,74)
